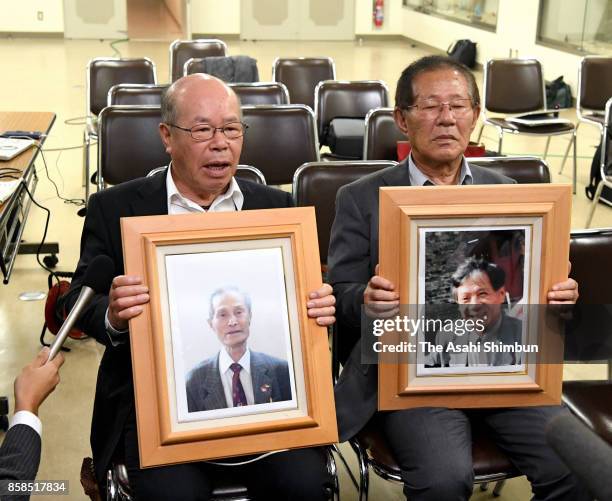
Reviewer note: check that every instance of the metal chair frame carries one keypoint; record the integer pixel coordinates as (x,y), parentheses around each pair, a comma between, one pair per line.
(90,133)
(501,130)
(178,41)
(606,178)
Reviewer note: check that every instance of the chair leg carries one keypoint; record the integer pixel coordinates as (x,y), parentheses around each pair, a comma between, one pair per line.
(498,487)
(86,146)
(546,148)
(500,133)
(568,148)
(363,471)
(333,471)
(480,132)
(484,486)
(594,203)
(575,175)
(336,449)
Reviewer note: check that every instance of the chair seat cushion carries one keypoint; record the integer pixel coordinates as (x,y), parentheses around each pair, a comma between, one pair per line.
(487,458)
(591,401)
(538,129)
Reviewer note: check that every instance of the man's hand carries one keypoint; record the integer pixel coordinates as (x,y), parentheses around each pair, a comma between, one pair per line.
(380,296)
(321,305)
(565,292)
(36,381)
(125,300)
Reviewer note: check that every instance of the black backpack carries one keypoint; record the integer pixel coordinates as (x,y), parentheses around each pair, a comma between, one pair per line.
(558,94)
(463,51)
(595,177)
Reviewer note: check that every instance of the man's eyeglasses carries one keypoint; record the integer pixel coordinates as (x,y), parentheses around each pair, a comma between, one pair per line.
(205,132)
(432,107)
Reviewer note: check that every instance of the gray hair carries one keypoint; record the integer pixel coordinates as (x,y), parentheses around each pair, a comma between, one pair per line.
(225,290)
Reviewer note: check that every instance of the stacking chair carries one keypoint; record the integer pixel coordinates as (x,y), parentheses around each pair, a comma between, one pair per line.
(102,74)
(129,145)
(489,462)
(523,170)
(594,89)
(515,87)
(381,135)
(230,69)
(279,139)
(135,94)
(301,75)
(261,93)
(182,50)
(606,160)
(589,335)
(347,99)
(316,184)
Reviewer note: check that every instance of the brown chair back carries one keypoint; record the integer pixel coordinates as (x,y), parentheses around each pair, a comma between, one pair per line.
(279,139)
(103,73)
(129,143)
(381,135)
(513,86)
(182,50)
(595,82)
(136,94)
(591,258)
(250,173)
(301,75)
(343,99)
(251,94)
(316,184)
(524,170)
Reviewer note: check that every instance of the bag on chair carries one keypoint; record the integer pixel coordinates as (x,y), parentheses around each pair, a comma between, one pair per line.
(463,51)
(558,94)
(595,177)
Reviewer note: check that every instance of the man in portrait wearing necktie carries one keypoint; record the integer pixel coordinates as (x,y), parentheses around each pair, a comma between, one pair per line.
(236,376)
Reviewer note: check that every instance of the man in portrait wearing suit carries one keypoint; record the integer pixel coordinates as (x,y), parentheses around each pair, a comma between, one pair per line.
(236,376)
(478,287)
(202,132)
(437,106)
(20,449)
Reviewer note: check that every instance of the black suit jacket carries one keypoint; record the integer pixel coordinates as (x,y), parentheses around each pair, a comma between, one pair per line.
(352,258)
(114,400)
(19,455)
(269,376)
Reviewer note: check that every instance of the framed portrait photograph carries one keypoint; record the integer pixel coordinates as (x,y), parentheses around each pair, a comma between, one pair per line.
(225,360)
(473,265)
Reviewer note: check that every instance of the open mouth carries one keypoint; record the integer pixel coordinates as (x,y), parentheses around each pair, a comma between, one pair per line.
(217,166)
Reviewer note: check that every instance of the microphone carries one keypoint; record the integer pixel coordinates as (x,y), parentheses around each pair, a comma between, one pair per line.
(585,453)
(97,280)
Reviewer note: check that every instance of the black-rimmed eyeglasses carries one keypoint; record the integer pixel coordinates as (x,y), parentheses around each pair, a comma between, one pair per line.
(205,132)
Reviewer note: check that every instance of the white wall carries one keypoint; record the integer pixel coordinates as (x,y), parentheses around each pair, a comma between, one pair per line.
(516,29)
(23,16)
(206,17)
(393,22)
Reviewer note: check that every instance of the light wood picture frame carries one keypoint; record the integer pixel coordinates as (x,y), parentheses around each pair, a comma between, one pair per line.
(182,258)
(542,212)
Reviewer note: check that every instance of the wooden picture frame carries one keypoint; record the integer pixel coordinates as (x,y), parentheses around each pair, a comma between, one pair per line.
(176,253)
(406,213)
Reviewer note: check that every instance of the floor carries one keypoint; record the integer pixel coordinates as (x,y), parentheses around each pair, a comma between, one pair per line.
(49,75)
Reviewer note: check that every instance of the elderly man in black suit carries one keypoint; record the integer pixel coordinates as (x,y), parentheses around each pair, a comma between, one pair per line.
(236,376)
(437,107)
(20,450)
(203,134)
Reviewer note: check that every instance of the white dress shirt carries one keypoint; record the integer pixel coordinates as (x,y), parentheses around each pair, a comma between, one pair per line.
(225,361)
(27,418)
(417,178)
(230,201)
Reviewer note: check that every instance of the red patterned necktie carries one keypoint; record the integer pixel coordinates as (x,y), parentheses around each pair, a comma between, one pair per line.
(238,396)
